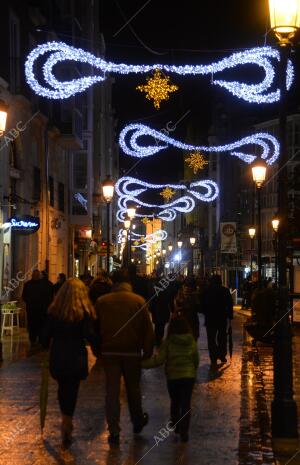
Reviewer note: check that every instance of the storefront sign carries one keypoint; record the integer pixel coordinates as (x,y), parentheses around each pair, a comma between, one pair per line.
(228,237)
(24,224)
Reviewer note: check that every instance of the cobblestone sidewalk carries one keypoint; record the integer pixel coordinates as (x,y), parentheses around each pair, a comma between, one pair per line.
(226,425)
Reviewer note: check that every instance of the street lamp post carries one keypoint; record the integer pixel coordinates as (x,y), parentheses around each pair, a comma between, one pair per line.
(275,226)
(259,170)
(131,210)
(192,242)
(179,244)
(127,224)
(108,188)
(285,21)
(252,232)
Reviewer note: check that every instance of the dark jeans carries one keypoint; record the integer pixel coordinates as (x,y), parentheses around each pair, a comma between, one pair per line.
(180,391)
(217,342)
(34,323)
(129,367)
(159,332)
(67,394)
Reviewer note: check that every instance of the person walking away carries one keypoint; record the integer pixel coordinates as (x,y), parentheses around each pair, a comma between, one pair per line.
(217,307)
(61,279)
(179,354)
(98,287)
(48,294)
(126,335)
(160,308)
(187,305)
(69,324)
(33,297)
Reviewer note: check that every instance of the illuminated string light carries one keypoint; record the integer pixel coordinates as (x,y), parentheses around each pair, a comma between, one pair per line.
(129,189)
(58,52)
(144,241)
(83,202)
(267,143)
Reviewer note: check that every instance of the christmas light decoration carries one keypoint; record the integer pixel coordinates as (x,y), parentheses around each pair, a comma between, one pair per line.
(130,135)
(264,58)
(145,220)
(167,193)
(196,161)
(157,88)
(144,242)
(83,202)
(129,189)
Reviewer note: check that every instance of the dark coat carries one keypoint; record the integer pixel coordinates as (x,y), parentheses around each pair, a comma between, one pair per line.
(217,305)
(187,305)
(68,354)
(33,294)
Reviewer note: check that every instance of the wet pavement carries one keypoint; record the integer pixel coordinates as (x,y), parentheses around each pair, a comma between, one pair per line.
(230,419)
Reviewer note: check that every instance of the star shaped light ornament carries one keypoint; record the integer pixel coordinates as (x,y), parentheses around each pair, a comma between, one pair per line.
(158,88)
(145,220)
(196,161)
(167,193)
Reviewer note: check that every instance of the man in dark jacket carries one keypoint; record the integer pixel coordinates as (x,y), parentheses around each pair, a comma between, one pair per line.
(127,336)
(217,307)
(33,296)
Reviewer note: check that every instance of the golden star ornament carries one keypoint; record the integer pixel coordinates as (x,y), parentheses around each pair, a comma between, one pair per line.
(157,88)
(196,161)
(167,193)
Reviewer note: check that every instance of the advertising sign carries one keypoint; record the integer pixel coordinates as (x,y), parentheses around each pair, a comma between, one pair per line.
(24,224)
(228,237)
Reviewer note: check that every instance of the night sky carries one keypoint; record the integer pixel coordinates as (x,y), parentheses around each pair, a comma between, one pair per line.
(187,32)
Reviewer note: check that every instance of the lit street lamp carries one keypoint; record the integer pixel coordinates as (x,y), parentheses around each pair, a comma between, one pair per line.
(3,116)
(108,188)
(259,171)
(275,226)
(285,21)
(127,224)
(252,232)
(192,242)
(131,210)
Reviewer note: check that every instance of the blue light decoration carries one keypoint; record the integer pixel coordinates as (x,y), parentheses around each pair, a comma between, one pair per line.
(130,135)
(83,201)
(129,189)
(25,224)
(157,236)
(264,91)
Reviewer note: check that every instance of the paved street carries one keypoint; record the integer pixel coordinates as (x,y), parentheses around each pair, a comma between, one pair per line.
(225,429)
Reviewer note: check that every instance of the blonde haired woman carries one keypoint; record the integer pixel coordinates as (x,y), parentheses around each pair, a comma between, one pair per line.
(70,323)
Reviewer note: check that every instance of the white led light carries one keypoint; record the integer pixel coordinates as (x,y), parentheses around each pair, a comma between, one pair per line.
(79,197)
(58,52)
(153,238)
(129,189)
(268,144)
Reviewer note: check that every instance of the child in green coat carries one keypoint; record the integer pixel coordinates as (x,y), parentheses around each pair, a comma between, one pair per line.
(179,354)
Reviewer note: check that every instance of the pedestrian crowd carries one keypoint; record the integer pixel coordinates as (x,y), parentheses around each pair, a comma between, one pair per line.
(131,323)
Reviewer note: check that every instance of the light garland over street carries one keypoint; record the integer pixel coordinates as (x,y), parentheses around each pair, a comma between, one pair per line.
(131,145)
(265,58)
(129,189)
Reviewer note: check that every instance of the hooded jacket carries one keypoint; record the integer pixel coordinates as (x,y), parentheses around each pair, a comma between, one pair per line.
(179,354)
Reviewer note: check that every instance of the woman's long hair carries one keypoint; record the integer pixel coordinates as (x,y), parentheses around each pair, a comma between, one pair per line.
(72,302)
